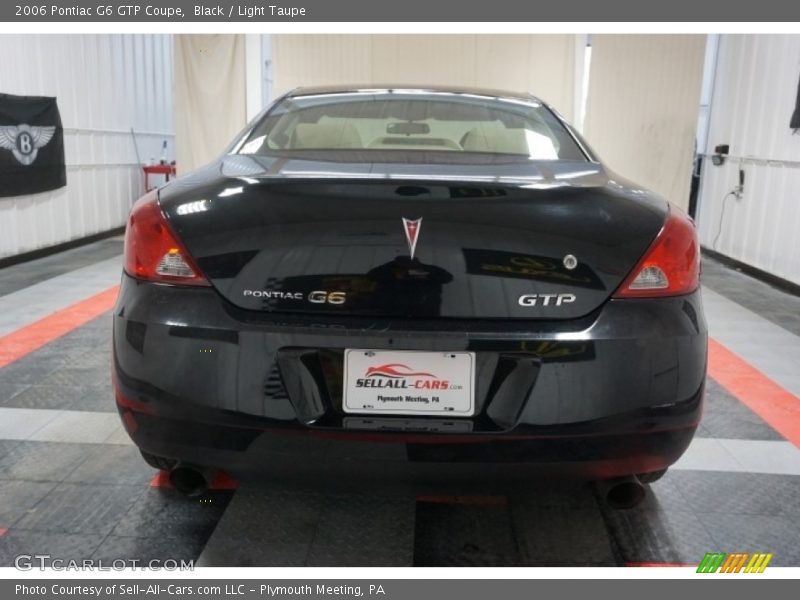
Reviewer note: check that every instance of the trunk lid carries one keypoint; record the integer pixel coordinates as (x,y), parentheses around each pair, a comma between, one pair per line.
(312,236)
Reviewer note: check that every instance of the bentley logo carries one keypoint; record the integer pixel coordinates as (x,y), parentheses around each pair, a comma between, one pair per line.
(412,228)
(24,140)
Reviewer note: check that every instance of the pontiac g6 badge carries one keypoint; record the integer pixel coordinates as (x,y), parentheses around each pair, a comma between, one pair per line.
(317,296)
(412,228)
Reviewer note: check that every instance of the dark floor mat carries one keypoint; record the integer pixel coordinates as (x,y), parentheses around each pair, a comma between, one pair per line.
(464,535)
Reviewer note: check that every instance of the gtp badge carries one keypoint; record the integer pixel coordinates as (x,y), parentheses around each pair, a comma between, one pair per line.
(412,227)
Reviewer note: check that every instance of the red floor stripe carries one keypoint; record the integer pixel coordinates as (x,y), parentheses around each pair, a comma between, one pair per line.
(659,564)
(3,531)
(160,480)
(25,340)
(777,406)
(222,481)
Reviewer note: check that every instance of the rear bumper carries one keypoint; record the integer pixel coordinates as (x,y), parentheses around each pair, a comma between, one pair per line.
(617,392)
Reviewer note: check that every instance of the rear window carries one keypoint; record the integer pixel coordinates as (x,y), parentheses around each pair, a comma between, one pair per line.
(388,120)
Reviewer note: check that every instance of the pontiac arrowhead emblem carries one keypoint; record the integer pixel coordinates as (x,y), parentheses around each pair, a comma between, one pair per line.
(412,227)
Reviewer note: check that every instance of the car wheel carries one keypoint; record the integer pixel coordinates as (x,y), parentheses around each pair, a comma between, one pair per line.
(158,462)
(651,477)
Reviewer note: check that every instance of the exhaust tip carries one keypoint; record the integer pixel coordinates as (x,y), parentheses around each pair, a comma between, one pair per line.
(189,480)
(622,494)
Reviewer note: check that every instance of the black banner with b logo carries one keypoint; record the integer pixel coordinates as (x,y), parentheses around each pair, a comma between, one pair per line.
(31,145)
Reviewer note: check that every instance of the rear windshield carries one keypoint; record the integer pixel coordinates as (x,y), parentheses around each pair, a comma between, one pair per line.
(406,121)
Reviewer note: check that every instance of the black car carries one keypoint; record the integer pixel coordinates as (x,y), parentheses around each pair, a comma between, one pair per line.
(440,276)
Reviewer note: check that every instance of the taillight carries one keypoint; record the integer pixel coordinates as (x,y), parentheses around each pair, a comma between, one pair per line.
(152,251)
(671,265)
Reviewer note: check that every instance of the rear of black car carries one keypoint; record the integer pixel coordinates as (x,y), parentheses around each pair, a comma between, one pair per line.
(297,302)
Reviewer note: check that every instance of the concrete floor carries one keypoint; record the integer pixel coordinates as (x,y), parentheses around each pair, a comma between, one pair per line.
(73,486)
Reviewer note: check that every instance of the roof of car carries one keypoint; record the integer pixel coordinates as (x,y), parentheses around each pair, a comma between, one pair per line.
(371,88)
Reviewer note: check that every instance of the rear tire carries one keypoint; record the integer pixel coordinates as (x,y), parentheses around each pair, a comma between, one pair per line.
(652,477)
(158,462)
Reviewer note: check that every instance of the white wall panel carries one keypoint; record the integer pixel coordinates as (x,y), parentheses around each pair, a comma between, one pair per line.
(424,59)
(541,64)
(553,61)
(254,74)
(105,84)
(642,108)
(210,96)
(306,60)
(754,93)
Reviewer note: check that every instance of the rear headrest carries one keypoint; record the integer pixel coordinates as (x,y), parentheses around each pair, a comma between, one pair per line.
(495,139)
(309,136)
(511,141)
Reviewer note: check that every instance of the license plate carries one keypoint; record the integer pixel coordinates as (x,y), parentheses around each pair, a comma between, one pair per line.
(409,383)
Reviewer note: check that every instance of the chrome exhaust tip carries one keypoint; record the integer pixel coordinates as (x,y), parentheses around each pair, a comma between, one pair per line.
(191,480)
(622,493)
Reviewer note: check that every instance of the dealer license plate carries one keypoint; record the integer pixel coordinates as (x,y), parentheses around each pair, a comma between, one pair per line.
(409,383)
